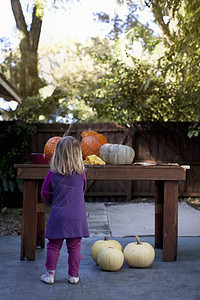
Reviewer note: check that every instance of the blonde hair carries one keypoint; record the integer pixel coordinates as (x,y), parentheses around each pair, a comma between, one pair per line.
(67,157)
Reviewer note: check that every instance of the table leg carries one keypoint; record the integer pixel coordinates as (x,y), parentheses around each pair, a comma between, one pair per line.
(170,221)
(159,199)
(29,220)
(40,220)
(129,190)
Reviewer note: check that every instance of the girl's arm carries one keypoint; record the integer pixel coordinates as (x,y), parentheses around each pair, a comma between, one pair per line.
(85,183)
(46,189)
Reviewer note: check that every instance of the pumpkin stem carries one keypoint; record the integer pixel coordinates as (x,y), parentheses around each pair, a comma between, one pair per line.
(106,238)
(68,130)
(138,240)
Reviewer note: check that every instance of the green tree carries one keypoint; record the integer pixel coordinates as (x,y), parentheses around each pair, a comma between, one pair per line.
(137,93)
(28,44)
(29,35)
(72,69)
(174,72)
(159,83)
(181,60)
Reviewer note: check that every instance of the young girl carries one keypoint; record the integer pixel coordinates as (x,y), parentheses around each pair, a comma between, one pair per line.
(63,189)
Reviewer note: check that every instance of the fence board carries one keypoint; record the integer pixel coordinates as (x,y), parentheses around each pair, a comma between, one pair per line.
(158,143)
(162,142)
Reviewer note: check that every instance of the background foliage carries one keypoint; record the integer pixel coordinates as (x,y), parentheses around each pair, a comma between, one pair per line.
(14,137)
(132,74)
(148,76)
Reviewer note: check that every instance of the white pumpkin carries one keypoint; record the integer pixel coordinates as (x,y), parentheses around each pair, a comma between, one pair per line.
(110,259)
(98,245)
(116,154)
(139,255)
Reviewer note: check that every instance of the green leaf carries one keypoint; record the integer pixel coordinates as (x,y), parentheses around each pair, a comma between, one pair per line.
(5,185)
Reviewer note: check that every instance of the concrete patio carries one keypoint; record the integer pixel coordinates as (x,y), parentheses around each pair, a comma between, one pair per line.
(162,280)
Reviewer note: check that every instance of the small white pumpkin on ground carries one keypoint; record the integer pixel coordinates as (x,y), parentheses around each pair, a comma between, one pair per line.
(110,259)
(98,245)
(138,254)
(117,154)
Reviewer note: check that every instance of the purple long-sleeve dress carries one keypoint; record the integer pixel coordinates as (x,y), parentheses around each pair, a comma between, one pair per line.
(65,195)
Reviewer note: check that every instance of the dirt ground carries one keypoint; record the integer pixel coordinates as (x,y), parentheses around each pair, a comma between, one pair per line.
(10,221)
(11,218)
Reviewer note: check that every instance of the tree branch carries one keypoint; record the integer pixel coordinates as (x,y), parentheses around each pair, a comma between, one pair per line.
(35,29)
(19,17)
(157,11)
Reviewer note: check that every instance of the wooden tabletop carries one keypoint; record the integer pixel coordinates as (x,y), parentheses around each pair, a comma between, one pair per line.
(112,172)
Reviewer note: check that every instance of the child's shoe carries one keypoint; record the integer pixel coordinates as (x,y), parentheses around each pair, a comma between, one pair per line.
(73,280)
(48,277)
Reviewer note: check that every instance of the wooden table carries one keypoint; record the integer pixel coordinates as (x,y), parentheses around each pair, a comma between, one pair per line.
(166,179)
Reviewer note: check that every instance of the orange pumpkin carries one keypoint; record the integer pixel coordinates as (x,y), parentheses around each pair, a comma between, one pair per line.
(50,145)
(91,142)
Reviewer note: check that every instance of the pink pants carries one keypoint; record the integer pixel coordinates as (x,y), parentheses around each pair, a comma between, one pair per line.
(74,258)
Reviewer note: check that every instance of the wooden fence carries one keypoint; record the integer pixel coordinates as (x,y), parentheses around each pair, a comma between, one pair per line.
(160,142)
